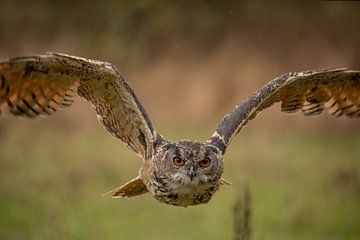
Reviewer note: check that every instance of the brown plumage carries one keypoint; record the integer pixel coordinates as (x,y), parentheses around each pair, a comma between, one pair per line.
(180,173)
(40,85)
(337,91)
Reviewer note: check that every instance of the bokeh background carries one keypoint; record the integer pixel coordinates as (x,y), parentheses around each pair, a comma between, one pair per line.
(189,63)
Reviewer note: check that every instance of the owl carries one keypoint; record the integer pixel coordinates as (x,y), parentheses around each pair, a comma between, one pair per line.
(183,173)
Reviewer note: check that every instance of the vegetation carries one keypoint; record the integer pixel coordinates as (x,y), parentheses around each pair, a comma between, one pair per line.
(242,215)
(51,184)
(189,64)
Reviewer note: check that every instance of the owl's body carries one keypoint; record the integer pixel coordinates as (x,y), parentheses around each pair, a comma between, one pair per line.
(181,194)
(183,173)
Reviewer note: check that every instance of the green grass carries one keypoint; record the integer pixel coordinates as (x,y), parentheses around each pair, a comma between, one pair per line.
(52,178)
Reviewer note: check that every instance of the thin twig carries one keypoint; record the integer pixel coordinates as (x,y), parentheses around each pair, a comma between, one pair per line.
(242,215)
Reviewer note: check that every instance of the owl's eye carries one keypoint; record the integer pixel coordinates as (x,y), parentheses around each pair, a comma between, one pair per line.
(178,161)
(205,163)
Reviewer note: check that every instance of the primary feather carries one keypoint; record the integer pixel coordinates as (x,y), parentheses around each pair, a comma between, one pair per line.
(312,92)
(40,85)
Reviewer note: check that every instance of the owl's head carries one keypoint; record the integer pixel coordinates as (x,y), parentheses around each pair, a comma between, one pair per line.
(190,163)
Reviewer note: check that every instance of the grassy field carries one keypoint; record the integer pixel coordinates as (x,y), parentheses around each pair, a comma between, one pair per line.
(188,63)
(53,175)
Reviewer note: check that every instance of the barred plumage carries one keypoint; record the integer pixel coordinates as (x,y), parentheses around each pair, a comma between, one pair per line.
(180,173)
(312,92)
(40,85)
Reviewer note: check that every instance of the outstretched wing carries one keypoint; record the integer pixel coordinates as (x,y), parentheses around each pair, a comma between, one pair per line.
(312,92)
(40,85)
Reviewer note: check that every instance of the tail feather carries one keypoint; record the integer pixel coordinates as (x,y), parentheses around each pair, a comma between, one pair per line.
(130,189)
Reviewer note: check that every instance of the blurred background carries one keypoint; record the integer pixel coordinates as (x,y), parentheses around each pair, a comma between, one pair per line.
(190,64)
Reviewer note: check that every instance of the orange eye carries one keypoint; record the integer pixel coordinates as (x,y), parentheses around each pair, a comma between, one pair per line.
(205,163)
(178,161)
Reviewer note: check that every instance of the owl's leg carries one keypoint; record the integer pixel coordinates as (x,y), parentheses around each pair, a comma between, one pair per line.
(130,189)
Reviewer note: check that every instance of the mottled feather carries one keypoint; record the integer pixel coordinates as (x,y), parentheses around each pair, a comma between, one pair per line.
(336,91)
(40,85)
(132,188)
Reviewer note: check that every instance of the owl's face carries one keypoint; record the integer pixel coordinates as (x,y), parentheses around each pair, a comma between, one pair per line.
(189,163)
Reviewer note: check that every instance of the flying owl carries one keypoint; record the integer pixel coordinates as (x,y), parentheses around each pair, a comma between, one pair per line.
(182,173)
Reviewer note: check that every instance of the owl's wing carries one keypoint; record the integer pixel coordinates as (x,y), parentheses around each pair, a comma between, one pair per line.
(337,91)
(40,85)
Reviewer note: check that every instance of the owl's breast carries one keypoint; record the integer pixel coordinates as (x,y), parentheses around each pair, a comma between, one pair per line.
(184,195)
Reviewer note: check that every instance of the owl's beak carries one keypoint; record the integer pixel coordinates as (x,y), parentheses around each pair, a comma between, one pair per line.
(191,173)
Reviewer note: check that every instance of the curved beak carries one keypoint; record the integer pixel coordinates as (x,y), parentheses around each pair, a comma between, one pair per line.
(191,173)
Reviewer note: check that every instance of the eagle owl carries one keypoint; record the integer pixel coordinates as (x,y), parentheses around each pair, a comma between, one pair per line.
(183,173)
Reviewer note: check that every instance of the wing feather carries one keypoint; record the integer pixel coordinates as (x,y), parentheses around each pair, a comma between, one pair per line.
(337,91)
(41,85)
